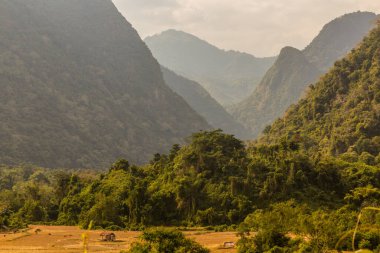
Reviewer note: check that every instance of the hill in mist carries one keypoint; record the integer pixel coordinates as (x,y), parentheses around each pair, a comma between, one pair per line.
(229,76)
(79,88)
(202,102)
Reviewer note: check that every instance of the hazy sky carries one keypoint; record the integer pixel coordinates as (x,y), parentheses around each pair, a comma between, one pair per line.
(260,27)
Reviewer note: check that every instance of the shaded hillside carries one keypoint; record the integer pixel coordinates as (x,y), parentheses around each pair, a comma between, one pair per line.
(283,84)
(201,101)
(79,88)
(227,75)
(294,70)
(341,112)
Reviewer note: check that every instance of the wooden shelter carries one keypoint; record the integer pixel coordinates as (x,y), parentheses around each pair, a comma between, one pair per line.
(108,237)
(228,245)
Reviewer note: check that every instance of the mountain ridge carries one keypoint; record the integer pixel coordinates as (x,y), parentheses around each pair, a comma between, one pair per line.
(340,115)
(351,32)
(289,83)
(227,75)
(82,89)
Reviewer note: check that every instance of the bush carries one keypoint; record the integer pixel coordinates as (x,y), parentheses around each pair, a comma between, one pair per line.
(114,228)
(137,227)
(221,228)
(369,240)
(268,240)
(166,241)
(265,241)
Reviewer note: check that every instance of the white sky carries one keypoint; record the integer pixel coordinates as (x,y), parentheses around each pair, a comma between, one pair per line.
(259,27)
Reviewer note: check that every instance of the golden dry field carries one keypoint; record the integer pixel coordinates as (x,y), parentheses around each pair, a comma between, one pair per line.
(57,239)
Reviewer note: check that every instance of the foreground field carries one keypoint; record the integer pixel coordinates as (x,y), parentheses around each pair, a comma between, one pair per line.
(58,239)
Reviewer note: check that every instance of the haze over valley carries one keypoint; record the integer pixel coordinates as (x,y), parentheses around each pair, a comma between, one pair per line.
(110,142)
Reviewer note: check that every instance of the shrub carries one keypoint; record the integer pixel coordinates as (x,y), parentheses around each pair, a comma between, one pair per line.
(166,241)
(264,241)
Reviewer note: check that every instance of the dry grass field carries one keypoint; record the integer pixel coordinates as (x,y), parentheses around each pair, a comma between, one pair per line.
(57,239)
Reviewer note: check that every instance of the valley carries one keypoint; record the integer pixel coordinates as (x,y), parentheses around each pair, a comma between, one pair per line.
(171,144)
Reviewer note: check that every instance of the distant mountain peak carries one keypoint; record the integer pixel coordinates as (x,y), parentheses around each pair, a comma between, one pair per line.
(179,36)
(338,37)
(289,50)
(340,113)
(227,75)
(176,32)
(294,70)
(289,54)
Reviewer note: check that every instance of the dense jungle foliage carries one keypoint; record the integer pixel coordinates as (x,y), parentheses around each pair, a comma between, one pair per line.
(213,181)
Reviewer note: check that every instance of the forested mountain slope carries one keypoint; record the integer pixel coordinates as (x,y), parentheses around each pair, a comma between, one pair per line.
(229,76)
(294,70)
(79,88)
(341,113)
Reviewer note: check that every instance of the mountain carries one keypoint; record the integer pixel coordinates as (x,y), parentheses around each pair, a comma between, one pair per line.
(79,88)
(340,115)
(283,84)
(201,101)
(338,37)
(295,70)
(227,75)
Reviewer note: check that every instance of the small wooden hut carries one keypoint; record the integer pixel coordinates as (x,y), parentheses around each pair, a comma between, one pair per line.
(108,237)
(228,245)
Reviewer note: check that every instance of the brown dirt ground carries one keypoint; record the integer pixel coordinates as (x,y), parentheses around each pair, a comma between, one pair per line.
(65,239)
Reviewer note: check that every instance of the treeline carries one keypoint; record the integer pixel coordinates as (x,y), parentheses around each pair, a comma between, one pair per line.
(214,180)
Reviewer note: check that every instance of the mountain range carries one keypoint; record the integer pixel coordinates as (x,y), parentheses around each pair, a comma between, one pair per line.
(227,75)
(294,70)
(79,88)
